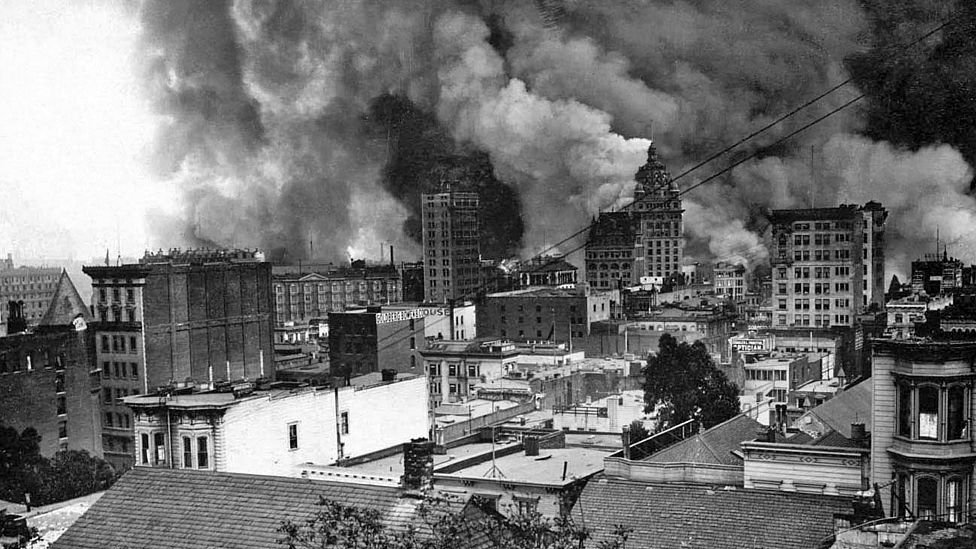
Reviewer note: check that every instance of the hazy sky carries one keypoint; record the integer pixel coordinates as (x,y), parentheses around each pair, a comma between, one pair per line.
(73,131)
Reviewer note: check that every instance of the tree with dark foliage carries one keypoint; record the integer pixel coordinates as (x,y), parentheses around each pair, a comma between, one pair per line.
(70,474)
(339,526)
(683,383)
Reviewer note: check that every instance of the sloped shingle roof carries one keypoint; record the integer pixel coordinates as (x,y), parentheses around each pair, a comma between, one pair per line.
(65,305)
(850,406)
(173,508)
(712,446)
(664,516)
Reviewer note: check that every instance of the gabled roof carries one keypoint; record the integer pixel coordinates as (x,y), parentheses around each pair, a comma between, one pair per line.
(713,446)
(853,405)
(665,516)
(175,508)
(66,304)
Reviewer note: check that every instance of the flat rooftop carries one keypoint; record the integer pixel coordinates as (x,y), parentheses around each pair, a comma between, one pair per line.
(393,465)
(546,468)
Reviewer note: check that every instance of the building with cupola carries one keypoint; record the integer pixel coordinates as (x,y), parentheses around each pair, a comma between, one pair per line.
(658,204)
(646,240)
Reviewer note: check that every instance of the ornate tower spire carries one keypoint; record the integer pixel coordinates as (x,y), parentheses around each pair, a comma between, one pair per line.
(653,175)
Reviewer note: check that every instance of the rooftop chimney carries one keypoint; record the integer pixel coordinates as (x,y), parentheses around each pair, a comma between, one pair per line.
(388,374)
(859,435)
(418,464)
(625,435)
(531,445)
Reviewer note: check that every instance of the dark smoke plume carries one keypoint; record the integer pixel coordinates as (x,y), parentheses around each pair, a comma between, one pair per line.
(291,121)
(422,154)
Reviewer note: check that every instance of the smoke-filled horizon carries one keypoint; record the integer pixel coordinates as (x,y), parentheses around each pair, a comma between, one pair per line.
(294,126)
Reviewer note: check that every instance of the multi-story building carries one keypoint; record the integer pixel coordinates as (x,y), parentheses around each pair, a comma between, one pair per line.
(614,253)
(180,317)
(34,286)
(935,274)
(307,294)
(768,381)
(874,255)
(555,314)
(454,322)
(278,431)
(921,447)
(818,264)
(729,281)
(546,271)
(375,339)
(455,368)
(658,204)
(48,381)
(451,245)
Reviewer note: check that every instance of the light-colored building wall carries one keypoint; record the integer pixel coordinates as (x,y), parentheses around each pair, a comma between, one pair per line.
(383,416)
(256,433)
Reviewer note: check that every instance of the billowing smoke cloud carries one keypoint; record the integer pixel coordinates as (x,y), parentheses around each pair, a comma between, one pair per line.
(290,121)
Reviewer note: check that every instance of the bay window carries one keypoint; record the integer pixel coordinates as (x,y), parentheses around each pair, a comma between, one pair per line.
(931,412)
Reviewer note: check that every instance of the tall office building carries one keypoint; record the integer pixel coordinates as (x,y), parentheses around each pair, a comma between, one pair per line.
(451,245)
(828,264)
(657,202)
(34,286)
(178,317)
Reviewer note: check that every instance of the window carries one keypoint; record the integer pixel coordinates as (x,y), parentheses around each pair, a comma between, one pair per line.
(135,370)
(187,453)
(954,500)
(105,347)
(344,423)
(956,424)
(928,412)
(904,410)
(292,436)
(132,344)
(159,442)
(927,497)
(145,449)
(108,419)
(203,453)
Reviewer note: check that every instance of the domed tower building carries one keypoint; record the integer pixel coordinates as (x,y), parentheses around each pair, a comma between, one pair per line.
(658,205)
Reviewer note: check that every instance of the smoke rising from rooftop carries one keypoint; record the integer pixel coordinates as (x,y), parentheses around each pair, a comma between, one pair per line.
(276,130)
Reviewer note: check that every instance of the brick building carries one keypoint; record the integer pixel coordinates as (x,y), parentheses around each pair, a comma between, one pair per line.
(374,339)
(48,381)
(451,245)
(546,271)
(614,255)
(828,264)
(178,317)
(555,314)
(307,293)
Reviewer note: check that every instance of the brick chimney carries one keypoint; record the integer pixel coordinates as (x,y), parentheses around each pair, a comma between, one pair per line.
(16,322)
(859,435)
(531,445)
(625,436)
(418,464)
